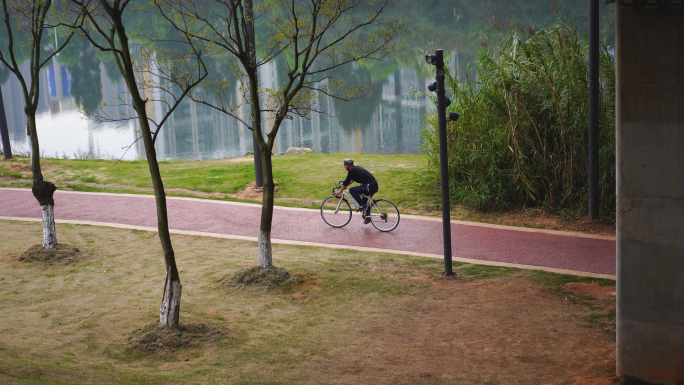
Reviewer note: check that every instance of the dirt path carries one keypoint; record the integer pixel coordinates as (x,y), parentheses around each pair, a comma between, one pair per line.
(494,331)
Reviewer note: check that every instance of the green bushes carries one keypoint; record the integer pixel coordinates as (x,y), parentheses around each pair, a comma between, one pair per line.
(522,136)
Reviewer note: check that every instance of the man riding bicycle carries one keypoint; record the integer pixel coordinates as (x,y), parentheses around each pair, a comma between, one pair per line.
(368,185)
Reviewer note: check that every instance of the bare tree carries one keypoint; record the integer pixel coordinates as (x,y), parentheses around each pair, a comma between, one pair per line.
(26,24)
(4,132)
(152,67)
(315,37)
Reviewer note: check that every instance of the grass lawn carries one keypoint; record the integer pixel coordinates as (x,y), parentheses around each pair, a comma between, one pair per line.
(305,177)
(352,318)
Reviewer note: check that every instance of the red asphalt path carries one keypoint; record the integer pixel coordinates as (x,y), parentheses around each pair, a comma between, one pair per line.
(571,253)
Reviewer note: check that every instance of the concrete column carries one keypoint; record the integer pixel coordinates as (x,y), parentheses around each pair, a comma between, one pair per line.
(650,191)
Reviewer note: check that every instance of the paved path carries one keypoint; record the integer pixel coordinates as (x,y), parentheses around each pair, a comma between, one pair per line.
(571,253)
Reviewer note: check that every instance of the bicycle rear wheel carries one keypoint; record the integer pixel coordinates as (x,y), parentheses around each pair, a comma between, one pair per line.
(384,215)
(336,211)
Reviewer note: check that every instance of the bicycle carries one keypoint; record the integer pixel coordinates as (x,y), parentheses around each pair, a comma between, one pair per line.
(337,212)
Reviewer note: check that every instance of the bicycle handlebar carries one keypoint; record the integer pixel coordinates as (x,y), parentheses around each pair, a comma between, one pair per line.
(339,186)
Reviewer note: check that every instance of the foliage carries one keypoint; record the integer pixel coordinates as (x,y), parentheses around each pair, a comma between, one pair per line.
(455,26)
(522,136)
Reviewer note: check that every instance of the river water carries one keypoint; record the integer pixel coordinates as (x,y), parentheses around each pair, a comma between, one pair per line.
(387,121)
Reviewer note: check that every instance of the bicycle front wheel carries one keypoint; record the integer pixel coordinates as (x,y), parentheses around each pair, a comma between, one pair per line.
(336,211)
(384,215)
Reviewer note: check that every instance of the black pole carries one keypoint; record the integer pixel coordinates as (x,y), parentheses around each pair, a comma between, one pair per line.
(249,15)
(443,162)
(593,109)
(4,132)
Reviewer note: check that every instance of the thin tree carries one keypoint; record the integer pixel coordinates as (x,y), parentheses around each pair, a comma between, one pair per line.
(4,132)
(150,68)
(26,24)
(315,37)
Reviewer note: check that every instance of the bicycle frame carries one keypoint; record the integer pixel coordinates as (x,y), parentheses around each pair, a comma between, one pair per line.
(350,198)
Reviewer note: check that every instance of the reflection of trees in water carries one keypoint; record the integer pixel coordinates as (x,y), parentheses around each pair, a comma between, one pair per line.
(196,131)
(455,25)
(384,123)
(111,69)
(358,114)
(86,79)
(4,74)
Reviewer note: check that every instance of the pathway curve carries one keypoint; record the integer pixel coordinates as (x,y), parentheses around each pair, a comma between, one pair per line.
(564,252)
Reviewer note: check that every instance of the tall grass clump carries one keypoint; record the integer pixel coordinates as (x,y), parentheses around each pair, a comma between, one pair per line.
(522,136)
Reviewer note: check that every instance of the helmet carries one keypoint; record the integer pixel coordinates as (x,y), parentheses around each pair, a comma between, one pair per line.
(348,162)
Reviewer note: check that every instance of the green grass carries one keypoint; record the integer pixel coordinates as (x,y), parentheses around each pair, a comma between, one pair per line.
(483,271)
(557,280)
(301,180)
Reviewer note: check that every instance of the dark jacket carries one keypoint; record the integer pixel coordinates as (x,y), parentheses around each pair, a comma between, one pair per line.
(360,175)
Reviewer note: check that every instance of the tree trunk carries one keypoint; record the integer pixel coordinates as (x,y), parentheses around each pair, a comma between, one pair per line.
(169,313)
(49,229)
(43,191)
(265,249)
(170,308)
(6,147)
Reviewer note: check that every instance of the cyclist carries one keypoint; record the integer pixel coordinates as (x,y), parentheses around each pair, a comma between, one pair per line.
(369,185)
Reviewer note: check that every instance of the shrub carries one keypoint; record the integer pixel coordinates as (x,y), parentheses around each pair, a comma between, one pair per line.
(522,136)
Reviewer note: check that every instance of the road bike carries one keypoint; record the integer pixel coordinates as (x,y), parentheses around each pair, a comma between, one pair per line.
(337,212)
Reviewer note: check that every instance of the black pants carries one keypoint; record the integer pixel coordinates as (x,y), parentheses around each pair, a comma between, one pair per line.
(366,189)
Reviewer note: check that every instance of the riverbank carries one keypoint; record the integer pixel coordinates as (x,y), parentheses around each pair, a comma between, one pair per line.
(302,180)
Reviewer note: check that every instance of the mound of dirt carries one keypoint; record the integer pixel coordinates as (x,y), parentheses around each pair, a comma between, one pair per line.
(62,254)
(259,277)
(158,339)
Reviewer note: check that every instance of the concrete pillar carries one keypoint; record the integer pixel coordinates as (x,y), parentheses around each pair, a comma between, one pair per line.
(650,190)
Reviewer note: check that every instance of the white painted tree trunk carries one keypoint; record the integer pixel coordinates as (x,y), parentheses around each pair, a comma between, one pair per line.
(265,249)
(170,310)
(49,230)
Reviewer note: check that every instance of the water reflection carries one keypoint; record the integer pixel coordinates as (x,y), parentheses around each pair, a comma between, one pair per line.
(387,121)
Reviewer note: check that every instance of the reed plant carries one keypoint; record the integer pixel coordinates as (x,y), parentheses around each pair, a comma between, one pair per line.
(522,136)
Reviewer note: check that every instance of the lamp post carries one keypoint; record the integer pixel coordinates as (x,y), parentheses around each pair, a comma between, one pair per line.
(442,103)
(593,109)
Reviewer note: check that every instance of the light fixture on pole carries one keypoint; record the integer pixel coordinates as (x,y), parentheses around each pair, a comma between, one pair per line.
(442,103)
